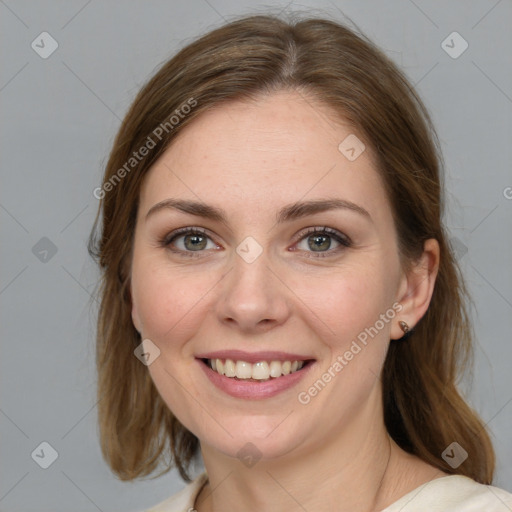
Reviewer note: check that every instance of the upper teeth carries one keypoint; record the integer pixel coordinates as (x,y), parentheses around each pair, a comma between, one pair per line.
(261,370)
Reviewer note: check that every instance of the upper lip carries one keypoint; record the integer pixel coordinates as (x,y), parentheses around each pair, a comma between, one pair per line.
(253,357)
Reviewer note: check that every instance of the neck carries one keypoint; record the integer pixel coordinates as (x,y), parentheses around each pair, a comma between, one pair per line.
(349,470)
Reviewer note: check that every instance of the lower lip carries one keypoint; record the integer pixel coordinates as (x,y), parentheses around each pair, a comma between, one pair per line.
(253,390)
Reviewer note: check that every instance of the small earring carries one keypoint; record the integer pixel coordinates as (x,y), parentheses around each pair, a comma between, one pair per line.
(403,325)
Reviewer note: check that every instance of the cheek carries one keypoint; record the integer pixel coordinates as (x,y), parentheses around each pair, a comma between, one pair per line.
(347,303)
(168,301)
(345,382)
(346,309)
(169,305)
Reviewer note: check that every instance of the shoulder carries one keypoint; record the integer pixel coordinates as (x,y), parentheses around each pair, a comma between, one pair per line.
(184,500)
(454,493)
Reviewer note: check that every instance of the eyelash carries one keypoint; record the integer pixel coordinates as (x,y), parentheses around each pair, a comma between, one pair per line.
(342,239)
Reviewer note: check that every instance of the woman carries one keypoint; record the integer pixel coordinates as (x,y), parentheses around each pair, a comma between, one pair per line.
(278,292)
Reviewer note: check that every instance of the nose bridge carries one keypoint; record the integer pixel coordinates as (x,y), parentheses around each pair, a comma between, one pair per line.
(252,295)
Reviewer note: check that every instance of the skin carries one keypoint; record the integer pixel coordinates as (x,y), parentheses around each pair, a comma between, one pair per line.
(251,159)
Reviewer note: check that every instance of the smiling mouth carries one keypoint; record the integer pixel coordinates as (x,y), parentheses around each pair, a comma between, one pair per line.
(260,371)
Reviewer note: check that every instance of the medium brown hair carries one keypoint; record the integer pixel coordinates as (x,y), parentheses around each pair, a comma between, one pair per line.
(423,410)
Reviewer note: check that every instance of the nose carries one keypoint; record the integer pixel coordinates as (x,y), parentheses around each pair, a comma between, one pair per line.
(253,297)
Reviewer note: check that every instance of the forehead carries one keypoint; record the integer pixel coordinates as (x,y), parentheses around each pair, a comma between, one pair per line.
(258,155)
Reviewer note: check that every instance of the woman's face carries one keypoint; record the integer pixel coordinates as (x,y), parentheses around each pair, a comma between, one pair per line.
(259,285)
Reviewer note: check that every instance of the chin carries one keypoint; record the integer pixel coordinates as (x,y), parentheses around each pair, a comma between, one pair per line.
(255,438)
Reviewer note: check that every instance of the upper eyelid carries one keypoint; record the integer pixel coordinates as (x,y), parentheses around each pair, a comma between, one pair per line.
(323,229)
(177,233)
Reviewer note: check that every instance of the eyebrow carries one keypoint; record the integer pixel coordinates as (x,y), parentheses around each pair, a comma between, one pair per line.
(287,213)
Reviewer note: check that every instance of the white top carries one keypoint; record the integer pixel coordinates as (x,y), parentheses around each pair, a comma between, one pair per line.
(453,493)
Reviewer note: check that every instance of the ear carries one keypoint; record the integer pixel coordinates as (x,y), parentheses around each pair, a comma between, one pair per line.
(416,288)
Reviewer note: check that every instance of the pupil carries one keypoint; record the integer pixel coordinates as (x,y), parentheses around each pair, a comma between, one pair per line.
(197,242)
(320,242)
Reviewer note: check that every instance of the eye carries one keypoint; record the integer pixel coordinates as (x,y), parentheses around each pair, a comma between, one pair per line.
(188,240)
(320,241)
(317,240)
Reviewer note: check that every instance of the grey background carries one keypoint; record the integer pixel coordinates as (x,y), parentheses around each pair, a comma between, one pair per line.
(60,116)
